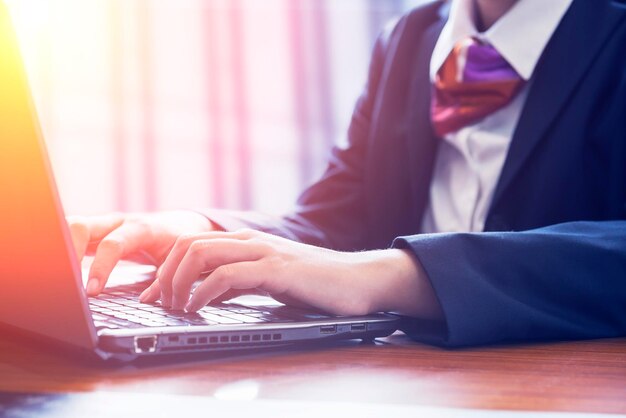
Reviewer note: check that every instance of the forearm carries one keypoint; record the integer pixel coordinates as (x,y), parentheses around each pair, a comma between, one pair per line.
(403,286)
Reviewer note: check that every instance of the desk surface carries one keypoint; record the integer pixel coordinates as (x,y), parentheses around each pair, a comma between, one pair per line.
(586,376)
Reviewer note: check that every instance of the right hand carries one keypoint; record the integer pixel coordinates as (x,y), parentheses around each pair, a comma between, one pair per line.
(143,237)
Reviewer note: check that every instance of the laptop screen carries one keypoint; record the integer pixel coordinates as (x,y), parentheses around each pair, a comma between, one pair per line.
(39,276)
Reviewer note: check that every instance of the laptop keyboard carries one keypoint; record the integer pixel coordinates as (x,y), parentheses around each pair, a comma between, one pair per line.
(119,307)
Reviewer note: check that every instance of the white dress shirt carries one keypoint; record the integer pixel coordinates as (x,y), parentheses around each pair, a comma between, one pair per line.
(469,161)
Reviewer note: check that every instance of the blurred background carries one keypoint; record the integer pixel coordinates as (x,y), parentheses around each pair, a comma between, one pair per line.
(163,104)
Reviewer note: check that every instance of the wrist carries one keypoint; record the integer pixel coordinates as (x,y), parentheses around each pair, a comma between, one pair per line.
(405,287)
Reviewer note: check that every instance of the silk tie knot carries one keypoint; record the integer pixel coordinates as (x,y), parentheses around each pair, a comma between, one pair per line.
(473,82)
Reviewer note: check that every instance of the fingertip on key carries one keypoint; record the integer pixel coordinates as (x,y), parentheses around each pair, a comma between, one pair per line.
(93,286)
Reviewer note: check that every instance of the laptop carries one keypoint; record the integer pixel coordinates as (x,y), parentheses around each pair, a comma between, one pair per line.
(41,289)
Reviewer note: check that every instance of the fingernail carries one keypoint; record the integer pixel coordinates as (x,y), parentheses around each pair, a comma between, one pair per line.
(93,285)
(191,307)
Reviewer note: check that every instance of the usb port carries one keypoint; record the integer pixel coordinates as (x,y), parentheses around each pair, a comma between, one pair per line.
(328,329)
(358,327)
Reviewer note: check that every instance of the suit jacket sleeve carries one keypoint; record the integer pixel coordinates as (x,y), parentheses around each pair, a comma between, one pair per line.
(566,281)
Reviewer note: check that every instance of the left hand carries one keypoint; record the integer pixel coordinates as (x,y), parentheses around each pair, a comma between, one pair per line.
(342,283)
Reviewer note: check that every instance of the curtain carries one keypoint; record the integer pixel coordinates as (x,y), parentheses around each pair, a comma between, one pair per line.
(163,104)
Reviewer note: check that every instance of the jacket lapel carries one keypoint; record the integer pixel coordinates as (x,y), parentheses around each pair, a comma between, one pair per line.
(421,139)
(568,55)
(402,146)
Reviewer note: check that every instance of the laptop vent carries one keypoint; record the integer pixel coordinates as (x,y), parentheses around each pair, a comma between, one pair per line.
(223,339)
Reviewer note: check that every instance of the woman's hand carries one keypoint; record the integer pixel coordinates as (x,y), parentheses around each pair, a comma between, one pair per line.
(337,282)
(146,238)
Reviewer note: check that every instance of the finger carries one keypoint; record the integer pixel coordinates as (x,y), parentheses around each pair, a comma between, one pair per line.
(237,276)
(171,263)
(207,255)
(127,239)
(178,251)
(88,229)
(80,236)
(235,293)
(152,293)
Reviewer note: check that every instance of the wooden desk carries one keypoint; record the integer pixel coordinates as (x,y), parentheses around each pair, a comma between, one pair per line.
(588,376)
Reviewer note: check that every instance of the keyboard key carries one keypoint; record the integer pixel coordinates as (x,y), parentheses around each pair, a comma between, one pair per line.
(135,304)
(244,311)
(126,309)
(243,318)
(107,312)
(153,309)
(149,323)
(219,319)
(148,315)
(174,322)
(101,324)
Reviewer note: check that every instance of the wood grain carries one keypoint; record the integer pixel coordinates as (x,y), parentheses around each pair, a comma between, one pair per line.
(586,376)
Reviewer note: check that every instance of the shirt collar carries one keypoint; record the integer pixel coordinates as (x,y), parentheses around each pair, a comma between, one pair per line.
(520,36)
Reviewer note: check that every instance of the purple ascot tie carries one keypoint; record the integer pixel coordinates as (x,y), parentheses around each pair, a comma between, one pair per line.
(473,82)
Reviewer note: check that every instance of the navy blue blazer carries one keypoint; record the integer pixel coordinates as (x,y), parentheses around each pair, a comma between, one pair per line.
(551,263)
